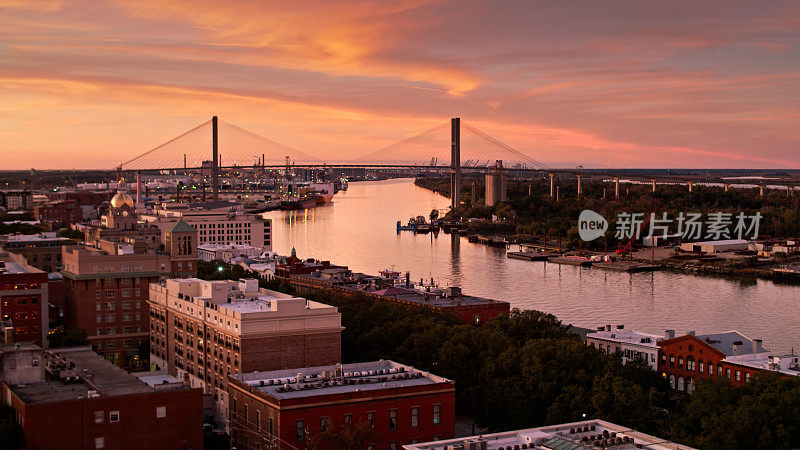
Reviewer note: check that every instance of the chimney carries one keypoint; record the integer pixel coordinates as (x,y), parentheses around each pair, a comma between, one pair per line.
(669,334)
(608,327)
(757,347)
(737,348)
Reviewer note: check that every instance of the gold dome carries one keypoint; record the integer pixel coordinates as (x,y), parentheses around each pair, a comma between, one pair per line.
(121,199)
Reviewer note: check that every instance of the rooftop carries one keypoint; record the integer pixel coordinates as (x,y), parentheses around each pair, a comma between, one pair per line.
(9,267)
(724,342)
(78,372)
(338,379)
(583,435)
(784,364)
(624,336)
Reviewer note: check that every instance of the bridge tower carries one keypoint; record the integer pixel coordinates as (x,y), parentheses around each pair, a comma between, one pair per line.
(455,162)
(214,159)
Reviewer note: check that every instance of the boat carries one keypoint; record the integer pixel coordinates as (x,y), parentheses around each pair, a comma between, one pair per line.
(390,274)
(294,203)
(323,191)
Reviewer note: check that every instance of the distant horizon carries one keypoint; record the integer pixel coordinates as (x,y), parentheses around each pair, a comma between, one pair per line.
(622,84)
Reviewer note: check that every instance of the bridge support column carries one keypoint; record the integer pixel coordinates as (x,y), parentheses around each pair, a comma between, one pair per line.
(726,187)
(557,193)
(455,162)
(690,183)
(579,185)
(214,160)
(654,186)
(552,186)
(616,186)
(761,191)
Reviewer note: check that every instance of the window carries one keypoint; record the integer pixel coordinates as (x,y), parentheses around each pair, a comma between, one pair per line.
(161,412)
(690,363)
(392,419)
(113,416)
(437,409)
(111,294)
(415,417)
(126,304)
(710,368)
(300,427)
(728,373)
(245,413)
(747,377)
(100,442)
(738,376)
(99,416)
(680,362)
(99,319)
(672,360)
(126,293)
(700,366)
(270,426)
(393,446)
(348,419)
(323,423)
(719,369)
(371,419)
(258,420)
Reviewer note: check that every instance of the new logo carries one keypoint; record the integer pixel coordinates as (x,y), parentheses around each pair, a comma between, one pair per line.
(591,225)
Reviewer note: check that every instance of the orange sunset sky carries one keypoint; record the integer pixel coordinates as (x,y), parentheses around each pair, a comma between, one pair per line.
(89,84)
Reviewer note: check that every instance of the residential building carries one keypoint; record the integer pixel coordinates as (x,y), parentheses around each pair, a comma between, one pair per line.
(57,215)
(16,199)
(684,359)
(577,435)
(740,369)
(224,225)
(632,345)
(88,403)
(24,312)
(206,330)
(290,408)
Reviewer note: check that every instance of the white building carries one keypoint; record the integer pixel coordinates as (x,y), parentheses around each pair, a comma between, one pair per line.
(726,245)
(577,435)
(632,344)
(218,226)
(226,252)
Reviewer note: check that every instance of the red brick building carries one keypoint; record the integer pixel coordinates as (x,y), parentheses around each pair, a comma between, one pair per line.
(88,403)
(684,359)
(206,330)
(23,301)
(288,409)
(58,214)
(83,198)
(42,251)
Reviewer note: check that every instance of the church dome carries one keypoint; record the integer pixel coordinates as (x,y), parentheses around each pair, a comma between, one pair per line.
(121,199)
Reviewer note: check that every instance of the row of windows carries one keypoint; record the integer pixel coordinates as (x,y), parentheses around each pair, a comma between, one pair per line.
(301,429)
(20,301)
(109,306)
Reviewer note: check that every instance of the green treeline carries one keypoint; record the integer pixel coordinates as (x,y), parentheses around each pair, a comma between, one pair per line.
(537,213)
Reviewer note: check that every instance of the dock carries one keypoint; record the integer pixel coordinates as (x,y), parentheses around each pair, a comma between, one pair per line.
(627,266)
(531,256)
(571,260)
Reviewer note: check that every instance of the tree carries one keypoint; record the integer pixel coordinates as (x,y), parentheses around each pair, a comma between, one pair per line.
(68,337)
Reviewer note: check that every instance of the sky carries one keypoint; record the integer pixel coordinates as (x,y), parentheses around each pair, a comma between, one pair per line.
(716,83)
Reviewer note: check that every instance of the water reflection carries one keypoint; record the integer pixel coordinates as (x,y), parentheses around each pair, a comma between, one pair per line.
(358,230)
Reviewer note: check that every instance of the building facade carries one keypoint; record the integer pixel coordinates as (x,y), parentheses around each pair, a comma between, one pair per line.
(632,345)
(42,251)
(16,199)
(496,185)
(289,409)
(56,215)
(206,330)
(24,296)
(88,403)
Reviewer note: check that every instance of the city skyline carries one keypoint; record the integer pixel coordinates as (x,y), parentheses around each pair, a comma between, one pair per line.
(91,84)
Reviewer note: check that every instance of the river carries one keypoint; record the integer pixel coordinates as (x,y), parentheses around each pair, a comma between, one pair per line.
(358,230)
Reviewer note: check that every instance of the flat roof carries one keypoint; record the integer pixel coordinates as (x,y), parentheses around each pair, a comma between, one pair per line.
(91,372)
(625,336)
(574,436)
(8,267)
(338,379)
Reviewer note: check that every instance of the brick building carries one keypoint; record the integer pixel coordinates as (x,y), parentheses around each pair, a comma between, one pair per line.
(93,198)
(684,359)
(24,312)
(16,199)
(205,330)
(288,409)
(56,215)
(42,251)
(88,403)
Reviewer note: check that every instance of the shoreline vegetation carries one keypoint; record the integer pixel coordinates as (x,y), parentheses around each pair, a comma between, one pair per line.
(527,369)
(530,216)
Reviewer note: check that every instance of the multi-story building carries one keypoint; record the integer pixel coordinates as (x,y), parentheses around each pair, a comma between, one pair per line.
(206,330)
(684,359)
(227,252)
(633,345)
(577,435)
(218,226)
(16,199)
(291,408)
(93,198)
(42,251)
(88,403)
(56,215)
(23,301)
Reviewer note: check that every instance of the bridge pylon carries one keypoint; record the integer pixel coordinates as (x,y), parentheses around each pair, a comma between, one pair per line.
(455,162)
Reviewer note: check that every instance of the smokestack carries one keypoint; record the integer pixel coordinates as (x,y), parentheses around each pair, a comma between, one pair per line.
(669,334)
(214,159)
